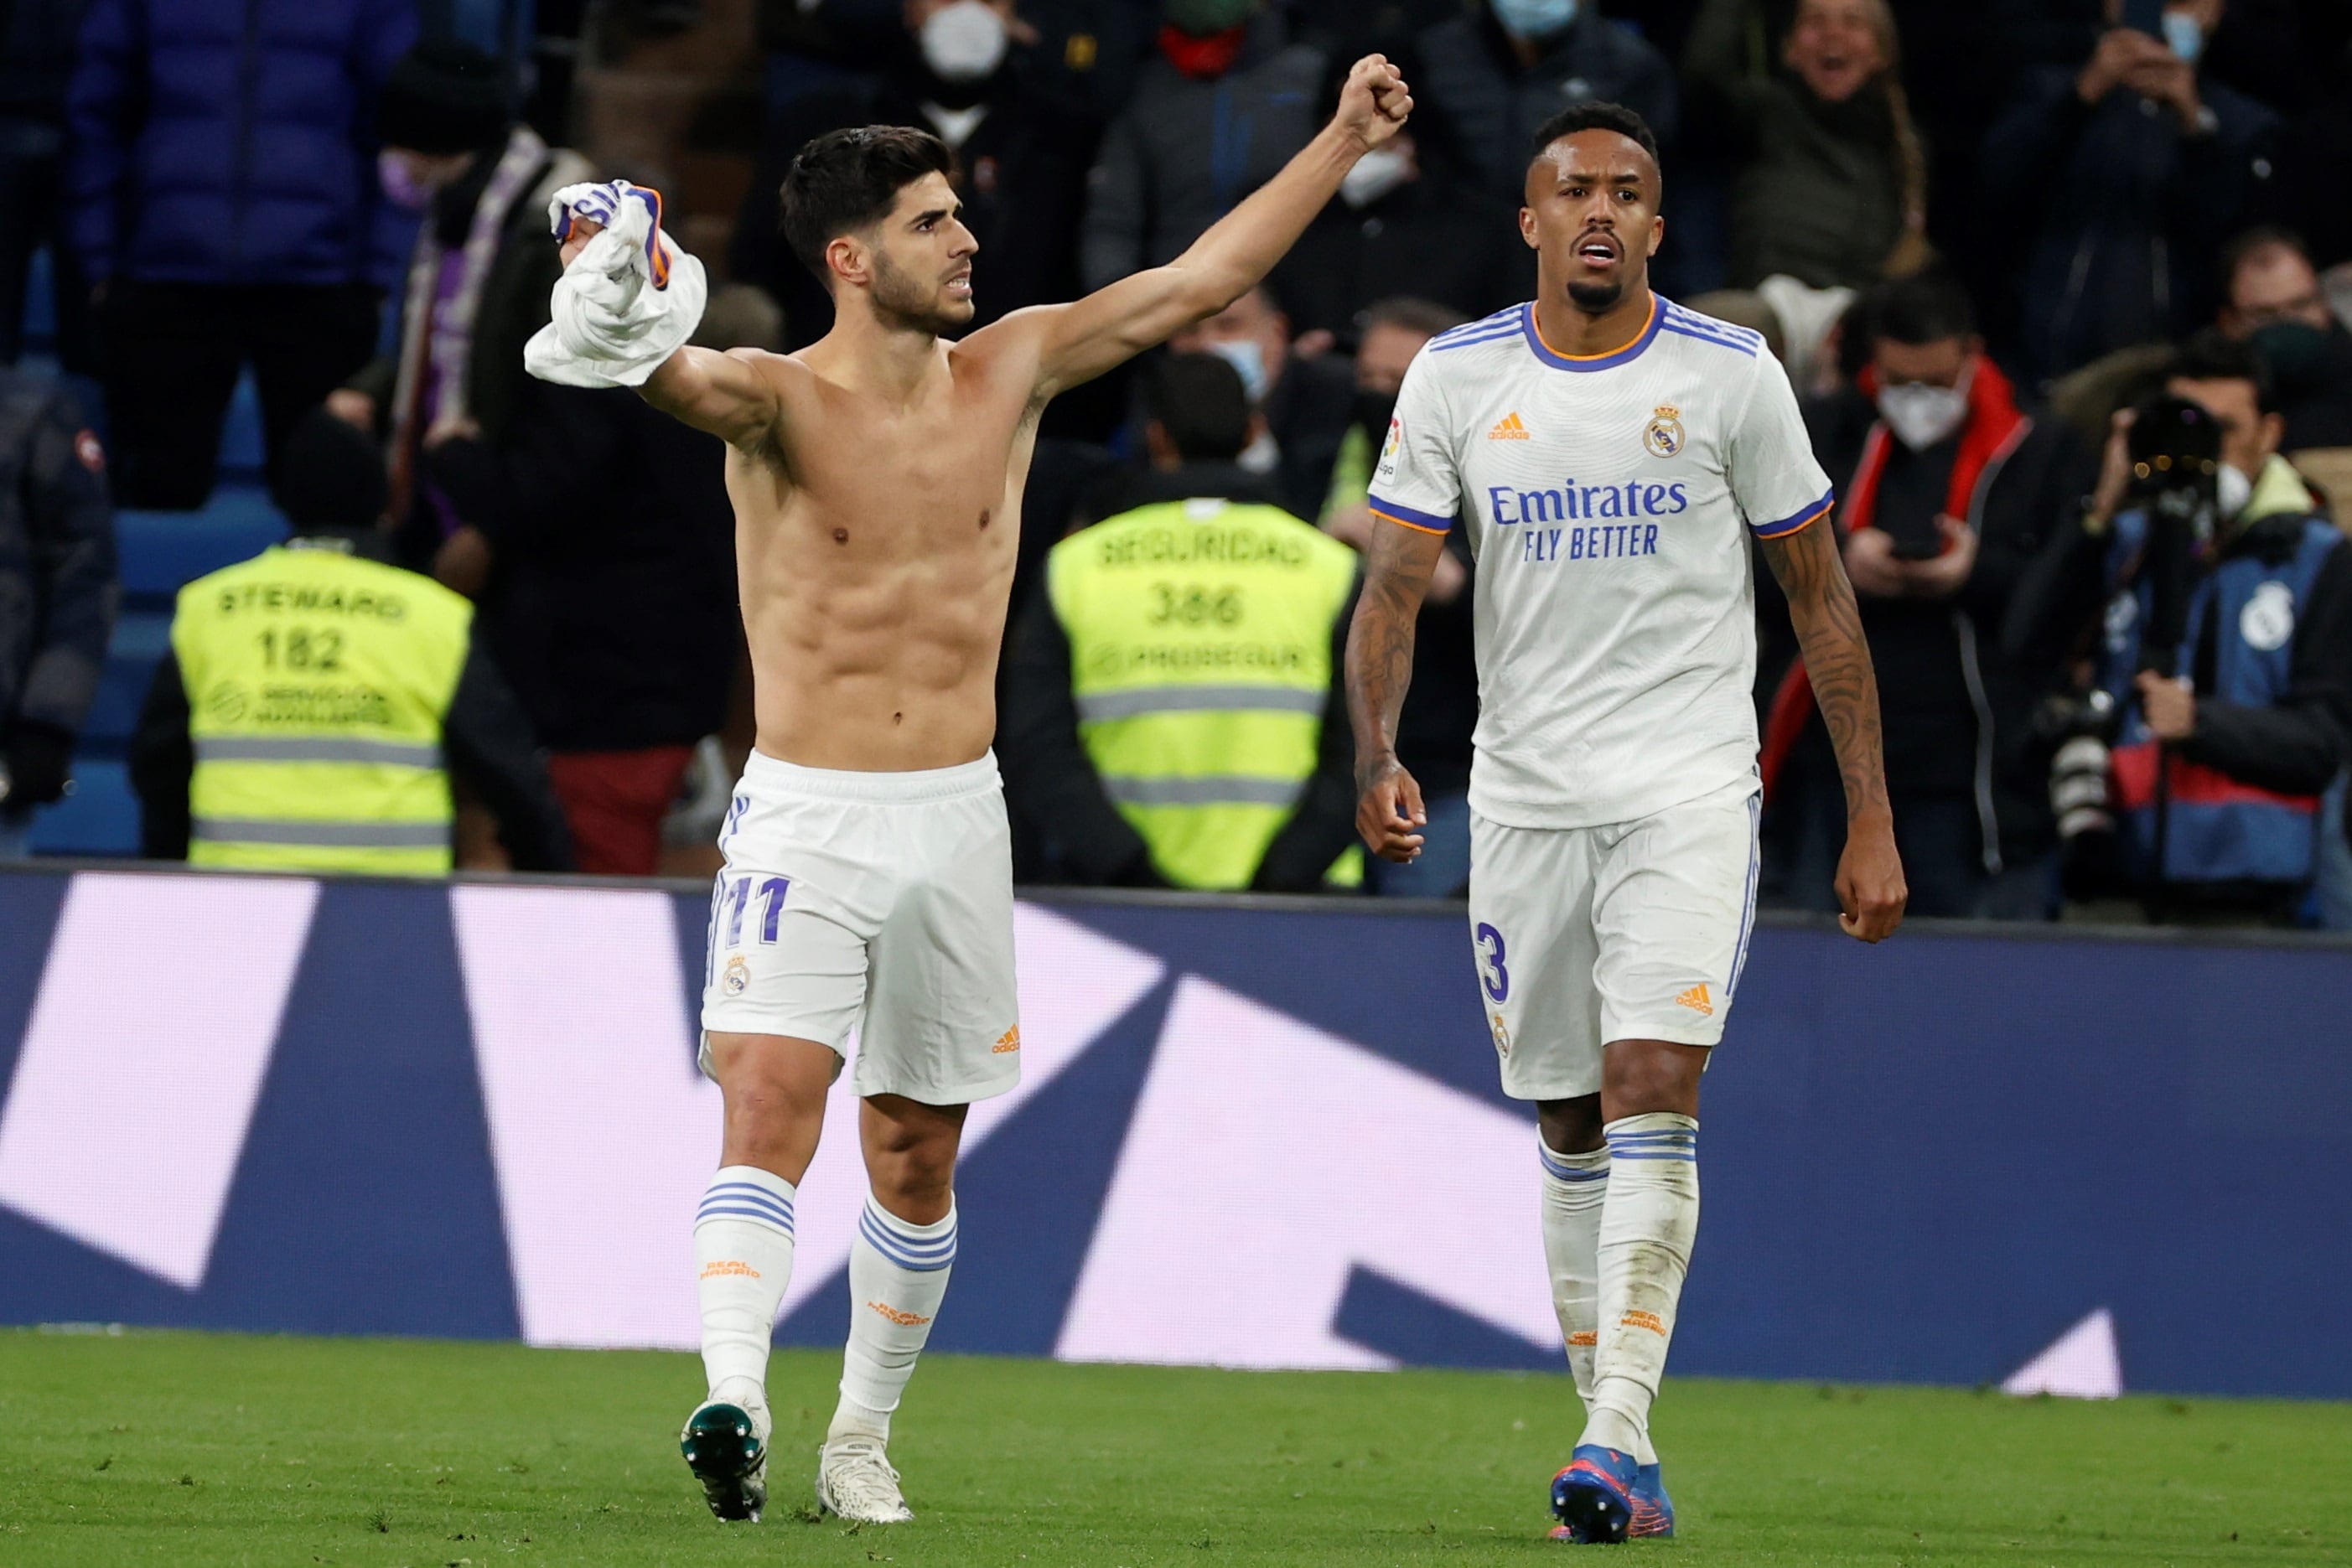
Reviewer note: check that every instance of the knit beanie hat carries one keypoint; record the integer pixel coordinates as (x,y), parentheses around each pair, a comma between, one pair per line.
(444,97)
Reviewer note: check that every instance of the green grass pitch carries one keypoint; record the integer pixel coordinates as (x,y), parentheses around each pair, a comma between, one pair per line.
(202,1449)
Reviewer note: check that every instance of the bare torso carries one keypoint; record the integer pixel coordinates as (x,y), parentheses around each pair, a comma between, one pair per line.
(874,543)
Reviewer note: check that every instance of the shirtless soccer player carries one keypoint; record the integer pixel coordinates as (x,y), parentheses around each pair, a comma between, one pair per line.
(876,478)
(1612,453)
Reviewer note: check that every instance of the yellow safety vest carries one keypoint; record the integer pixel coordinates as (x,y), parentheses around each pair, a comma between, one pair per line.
(1201,659)
(317,683)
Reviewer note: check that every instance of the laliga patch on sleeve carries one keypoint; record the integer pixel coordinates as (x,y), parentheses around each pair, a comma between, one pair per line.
(92,455)
(1389,450)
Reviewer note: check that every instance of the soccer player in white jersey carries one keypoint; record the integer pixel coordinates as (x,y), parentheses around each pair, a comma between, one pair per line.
(1612,453)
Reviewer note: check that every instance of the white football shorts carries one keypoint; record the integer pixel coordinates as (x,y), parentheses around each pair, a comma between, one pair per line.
(880,903)
(1630,930)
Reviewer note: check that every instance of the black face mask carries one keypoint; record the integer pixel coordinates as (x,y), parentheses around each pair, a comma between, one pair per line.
(1372,412)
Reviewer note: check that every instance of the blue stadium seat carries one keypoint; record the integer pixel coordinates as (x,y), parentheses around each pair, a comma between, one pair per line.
(99,818)
(142,637)
(161,552)
(241,446)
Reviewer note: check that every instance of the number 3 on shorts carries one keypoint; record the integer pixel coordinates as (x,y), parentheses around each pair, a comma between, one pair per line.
(1491,973)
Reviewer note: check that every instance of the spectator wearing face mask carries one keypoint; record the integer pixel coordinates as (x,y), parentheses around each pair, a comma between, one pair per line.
(1230,97)
(1441,708)
(220,194)
(1485,79)
(479,279)
(2115,178)
(1832,182)
(1946,490)
(1305,401)
(1021,164)
(2228,738)
(1395,232)
(2273,300)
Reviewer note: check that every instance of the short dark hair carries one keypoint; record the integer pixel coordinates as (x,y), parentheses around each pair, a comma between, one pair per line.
(1596,115)
(2212,355)
(2252,243)
(1926,308)
(1200,402)
(1426,316)
(846,180)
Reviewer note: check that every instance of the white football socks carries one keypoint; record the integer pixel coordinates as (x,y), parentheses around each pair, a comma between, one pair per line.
(898,1277)
(743,1261)
(1647,1223)
(1575,1187)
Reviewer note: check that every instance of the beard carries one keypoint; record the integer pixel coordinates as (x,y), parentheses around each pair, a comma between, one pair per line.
(1595,298)
(901,302)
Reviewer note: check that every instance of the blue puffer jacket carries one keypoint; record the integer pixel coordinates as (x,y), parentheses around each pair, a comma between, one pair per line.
(231,142)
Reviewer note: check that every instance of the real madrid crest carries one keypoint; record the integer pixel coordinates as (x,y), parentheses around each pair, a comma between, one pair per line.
(738,975)
(1664,436)
(1502,1035)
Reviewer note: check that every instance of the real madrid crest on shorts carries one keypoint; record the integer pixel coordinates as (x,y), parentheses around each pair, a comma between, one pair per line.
(738,975)
(1663,437)
(1502,1035)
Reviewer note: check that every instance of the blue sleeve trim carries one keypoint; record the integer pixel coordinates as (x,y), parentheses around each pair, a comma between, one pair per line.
(1796,520)
(1412,517)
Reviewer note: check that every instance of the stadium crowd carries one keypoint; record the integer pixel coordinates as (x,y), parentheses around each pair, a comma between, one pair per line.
(1990,242)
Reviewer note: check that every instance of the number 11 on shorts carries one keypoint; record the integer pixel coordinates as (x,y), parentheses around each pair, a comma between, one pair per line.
(770,892)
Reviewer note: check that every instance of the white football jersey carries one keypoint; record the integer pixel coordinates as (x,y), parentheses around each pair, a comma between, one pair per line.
(1609,500)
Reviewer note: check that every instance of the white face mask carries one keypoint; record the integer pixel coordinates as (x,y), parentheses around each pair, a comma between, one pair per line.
(2183,36)
(1247,358)
(963,42)
(2232,491)
(1376,174)
(1922,415)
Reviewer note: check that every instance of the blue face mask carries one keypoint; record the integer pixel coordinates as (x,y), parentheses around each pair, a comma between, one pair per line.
(2183,36)
(1248,359)
(1534,19)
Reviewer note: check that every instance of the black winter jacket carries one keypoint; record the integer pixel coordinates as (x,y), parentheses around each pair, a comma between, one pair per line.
(57,585)
(1956,710)
(2122,212)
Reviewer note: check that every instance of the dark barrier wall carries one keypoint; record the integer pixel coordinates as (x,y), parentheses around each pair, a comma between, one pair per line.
(1248,1134)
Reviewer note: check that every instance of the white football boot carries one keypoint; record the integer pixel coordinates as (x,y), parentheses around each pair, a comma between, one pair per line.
(854,1480)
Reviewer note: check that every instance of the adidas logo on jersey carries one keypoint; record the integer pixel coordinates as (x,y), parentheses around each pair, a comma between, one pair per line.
(1510,429)
(1696,999)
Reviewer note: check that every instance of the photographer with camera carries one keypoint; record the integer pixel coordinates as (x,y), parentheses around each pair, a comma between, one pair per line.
(2217,608)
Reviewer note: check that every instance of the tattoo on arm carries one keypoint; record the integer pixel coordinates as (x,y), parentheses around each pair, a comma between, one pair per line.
(1837,658)
(1397,569)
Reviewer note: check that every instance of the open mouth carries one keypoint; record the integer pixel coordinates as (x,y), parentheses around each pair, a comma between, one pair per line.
(959,285)
(1598,250)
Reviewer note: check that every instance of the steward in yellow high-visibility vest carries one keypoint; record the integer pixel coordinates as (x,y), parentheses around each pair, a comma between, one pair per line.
(310,712)
(1172,711)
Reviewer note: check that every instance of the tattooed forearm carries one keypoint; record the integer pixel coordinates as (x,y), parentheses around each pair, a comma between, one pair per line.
(1837,659)
(1397,569)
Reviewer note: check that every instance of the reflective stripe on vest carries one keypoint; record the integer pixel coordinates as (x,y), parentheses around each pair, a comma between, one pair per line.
(316,684)
(1199,641)
(1237,791)
(1097,707)
(250,748)
(322,835)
